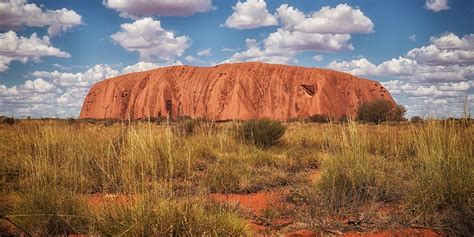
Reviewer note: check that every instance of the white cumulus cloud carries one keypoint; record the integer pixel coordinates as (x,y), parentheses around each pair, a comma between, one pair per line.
(342,19)
(37,86)
(318,58)
(300,41)
(441,74)
(141,8)
(359,67)
(139,67)
(59,93)
(17,13)
(448,49)
(250,14)
(328,29)
(150,40)
(205,52)
(80,79)
(20,48)
(436,5)
(255,53)
(452,41)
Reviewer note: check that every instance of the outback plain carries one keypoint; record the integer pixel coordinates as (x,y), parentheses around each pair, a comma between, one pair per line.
(290,118)
(259,177)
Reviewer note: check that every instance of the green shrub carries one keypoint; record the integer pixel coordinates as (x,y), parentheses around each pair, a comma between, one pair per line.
(319,118)
(7,120)
(397,113)
(262,132)
(416,119)
(380,110)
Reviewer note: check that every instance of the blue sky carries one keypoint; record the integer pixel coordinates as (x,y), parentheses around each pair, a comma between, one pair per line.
(51,52)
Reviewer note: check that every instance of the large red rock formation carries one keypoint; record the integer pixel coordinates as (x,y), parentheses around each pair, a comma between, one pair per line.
(231,91)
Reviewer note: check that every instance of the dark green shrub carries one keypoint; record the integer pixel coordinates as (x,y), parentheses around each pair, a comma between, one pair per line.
(380,110)
(7,120)
(416,119)
(397,113)
(262,132)
(318,118)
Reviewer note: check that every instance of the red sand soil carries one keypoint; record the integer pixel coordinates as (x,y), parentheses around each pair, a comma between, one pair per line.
(412,232)
(408,232)
(301,233)
(314,175)
(254,202)
(231,91)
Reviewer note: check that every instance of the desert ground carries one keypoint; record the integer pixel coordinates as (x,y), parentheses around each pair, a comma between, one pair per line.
(91,177)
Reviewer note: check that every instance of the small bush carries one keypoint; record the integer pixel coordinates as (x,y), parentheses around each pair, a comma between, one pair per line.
(319,118)
(397,113)
(416,119)
(7,120)
(263,132)
(380,110)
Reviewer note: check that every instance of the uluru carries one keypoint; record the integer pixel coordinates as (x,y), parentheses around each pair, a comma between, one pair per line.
(237,91)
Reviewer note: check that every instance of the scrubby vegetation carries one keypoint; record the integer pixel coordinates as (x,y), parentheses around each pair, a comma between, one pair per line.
(442,190)
(319,118)
(7,120)
(416,119)
(62,177)
(262,132)
(380,110)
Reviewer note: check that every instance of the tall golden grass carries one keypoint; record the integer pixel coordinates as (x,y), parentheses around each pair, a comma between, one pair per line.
(59,177)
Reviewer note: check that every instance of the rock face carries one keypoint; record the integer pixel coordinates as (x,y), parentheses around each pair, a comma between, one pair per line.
(231,91)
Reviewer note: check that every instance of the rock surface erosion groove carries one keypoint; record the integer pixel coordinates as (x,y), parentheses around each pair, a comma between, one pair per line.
(238,91)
